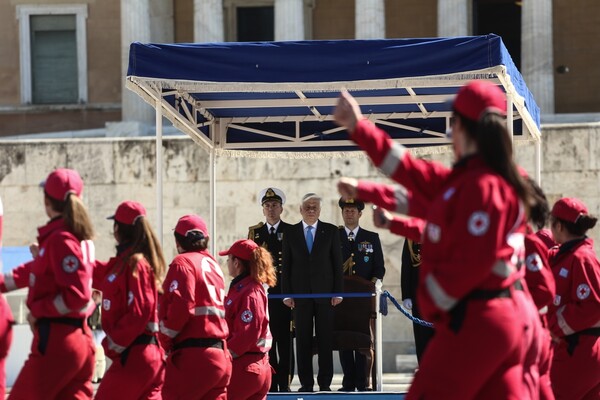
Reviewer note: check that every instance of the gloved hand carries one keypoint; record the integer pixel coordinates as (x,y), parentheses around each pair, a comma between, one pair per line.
(407,303)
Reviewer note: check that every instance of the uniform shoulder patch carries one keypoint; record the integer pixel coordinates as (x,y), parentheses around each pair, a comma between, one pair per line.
(479,222)
(70,264)
(247,316)
(534,262)
(583,291)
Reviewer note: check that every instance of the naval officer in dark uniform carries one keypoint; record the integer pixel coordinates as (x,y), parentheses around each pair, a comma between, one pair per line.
(363,257)
(270,235)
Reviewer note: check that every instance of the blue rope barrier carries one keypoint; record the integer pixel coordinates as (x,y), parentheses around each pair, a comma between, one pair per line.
(319,295)
(383,309)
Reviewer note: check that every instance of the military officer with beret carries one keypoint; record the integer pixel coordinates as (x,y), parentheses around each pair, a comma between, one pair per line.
(270,235)
(363,257)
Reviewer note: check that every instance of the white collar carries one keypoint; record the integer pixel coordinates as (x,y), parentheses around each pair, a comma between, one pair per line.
(355,230)
(269,226)
(304,225)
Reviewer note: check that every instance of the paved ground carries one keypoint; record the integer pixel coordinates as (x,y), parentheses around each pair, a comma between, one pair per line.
(392,382)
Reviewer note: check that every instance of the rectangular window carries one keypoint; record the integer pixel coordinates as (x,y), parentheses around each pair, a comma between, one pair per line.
(255,24)
(53,59)
(53,53)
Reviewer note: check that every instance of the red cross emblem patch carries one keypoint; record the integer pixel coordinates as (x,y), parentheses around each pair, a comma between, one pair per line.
(70,264)
(479,222)
(583,291)
(534,262)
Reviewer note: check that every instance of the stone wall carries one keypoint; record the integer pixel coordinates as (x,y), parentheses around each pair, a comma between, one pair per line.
(119,169)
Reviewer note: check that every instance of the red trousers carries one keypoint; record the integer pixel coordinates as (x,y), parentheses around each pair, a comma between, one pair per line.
(483,360)
(141,377)
(577,376)
(544,367)
(197,373)
(251,377)
(64,368)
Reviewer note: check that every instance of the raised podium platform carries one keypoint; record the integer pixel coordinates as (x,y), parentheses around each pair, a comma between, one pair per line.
(336,396)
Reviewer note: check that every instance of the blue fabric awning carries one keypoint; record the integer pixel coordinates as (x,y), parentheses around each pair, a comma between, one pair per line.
(281,95)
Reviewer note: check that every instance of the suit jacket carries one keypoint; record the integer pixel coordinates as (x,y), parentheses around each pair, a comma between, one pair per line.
(317,272)
(261,236)
(365,250)
(409,275)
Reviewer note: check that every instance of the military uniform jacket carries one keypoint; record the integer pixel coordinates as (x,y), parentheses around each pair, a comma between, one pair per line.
(365,251)
(261,236)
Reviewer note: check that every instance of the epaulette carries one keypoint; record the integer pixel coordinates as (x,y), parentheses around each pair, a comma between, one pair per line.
(253,228)
(257,226)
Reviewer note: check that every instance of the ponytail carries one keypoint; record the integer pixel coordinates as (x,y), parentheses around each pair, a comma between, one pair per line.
(143,240)
(495,147)
(75,216)
(260,266)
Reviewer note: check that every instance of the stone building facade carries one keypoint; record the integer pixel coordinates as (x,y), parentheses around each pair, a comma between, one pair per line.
(552,46)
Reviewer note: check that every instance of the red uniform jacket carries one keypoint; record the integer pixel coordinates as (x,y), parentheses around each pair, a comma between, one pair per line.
(475,223)
(129,299)
(577,274)
(538,274)
(247,317)
(192,303)
(59,278)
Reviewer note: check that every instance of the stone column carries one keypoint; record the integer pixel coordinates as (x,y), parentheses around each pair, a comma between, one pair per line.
(537,58)
(208,21)
(370,19)
(453,18)
(135,27)
(289,20)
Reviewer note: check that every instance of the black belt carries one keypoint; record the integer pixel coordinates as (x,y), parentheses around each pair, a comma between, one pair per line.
(142,339)
(76,322)
(43,326)
(481,294)
(199,342)
(573,340)
(457,313)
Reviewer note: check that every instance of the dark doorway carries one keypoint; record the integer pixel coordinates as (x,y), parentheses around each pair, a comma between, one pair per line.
(255,24)
(502,17)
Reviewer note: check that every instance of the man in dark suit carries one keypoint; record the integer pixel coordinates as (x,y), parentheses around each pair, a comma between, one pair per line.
(312,264)
(270,236)
(363,257)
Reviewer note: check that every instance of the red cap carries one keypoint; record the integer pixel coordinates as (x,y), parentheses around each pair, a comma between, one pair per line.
(243,248)
(128,212)
(189,223)
(569,209)
(61,182)
(478,97)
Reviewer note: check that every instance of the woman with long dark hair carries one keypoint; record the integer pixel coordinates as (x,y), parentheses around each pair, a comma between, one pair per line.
(574,316)
(476,214)
(249,340)
(130,282)
(61,361)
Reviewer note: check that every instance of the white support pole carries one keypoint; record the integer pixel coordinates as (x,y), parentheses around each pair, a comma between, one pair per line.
(378,337)
(159,175)
(510,117)
(214,130)
(538,162)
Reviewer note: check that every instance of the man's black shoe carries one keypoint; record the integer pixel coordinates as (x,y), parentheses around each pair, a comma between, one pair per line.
(306,389)
(324,389)
(286,389)
(346,389)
